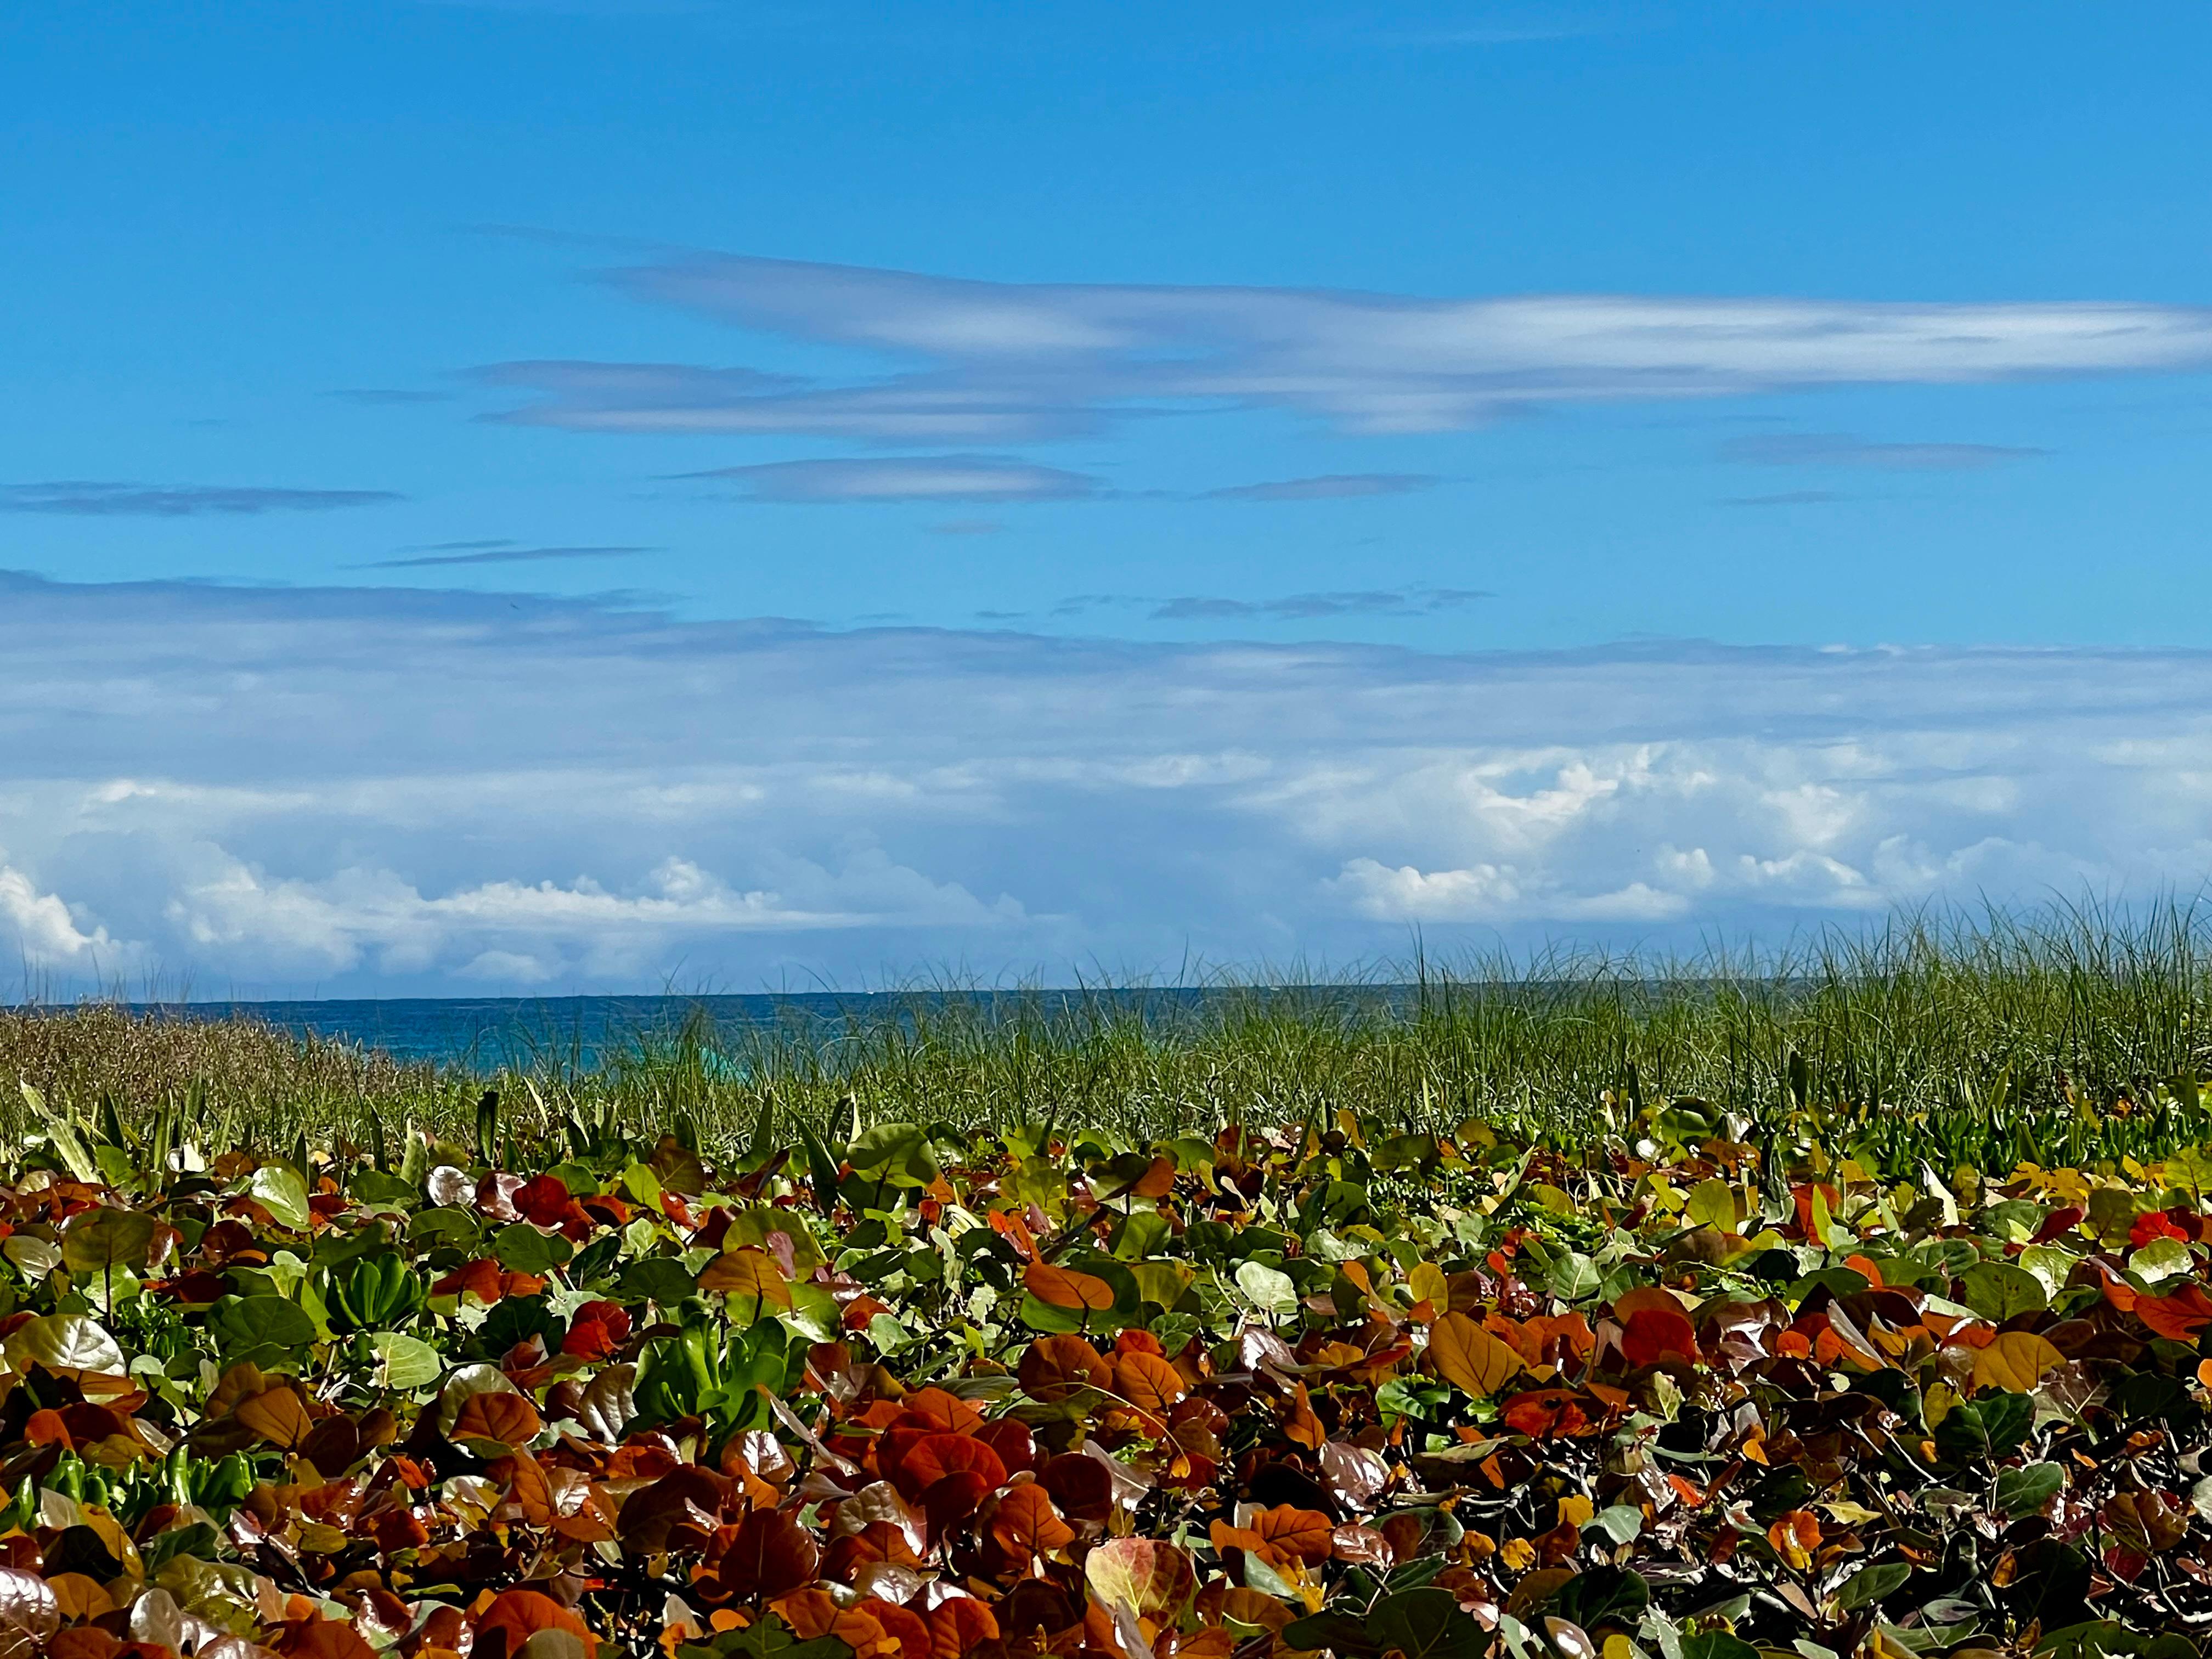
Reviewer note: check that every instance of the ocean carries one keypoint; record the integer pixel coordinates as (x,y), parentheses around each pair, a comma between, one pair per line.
(488,1032)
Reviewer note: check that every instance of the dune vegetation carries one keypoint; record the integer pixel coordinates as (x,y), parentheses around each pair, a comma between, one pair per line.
(1855,1303)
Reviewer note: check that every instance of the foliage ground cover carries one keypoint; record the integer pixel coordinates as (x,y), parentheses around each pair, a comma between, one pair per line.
(1698,1387)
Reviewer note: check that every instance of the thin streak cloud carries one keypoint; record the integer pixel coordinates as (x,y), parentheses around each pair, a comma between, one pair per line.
(96,498)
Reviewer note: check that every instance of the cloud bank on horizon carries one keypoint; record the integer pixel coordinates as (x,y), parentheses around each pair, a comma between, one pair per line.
(377,791)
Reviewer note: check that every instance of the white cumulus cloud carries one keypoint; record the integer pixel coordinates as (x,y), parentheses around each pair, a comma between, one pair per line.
(385,790)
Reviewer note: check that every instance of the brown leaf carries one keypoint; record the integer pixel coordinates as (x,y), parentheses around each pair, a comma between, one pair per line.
(516,1615)
(771,1555)
(277,1415)
(506,1419)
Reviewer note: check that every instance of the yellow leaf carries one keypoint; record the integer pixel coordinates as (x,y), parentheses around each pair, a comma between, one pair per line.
(2016,1361)
(1575,1511)
(1430,1285)
(1713,1204)
(1469,1357)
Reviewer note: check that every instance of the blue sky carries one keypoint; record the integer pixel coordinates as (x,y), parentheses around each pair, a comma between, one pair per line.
(1316,368)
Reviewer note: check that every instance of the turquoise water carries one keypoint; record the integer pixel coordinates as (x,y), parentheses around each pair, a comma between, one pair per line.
(490,1030)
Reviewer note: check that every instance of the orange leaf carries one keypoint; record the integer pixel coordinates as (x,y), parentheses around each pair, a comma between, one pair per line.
(1293,1533)
(1026,1526)
(959,1625)
(278,1416)
(1056,1367)
(1542,1413)
(1148,1383)
(1062,1287)
(2180,1317)
(935,1457)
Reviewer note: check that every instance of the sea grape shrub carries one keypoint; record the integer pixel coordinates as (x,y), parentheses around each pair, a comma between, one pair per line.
(1326,1391)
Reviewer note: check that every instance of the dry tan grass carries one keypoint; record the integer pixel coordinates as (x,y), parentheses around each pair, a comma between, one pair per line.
(75,1055)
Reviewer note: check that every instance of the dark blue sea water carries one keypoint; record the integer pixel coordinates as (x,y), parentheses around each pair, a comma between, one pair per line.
(586,1030)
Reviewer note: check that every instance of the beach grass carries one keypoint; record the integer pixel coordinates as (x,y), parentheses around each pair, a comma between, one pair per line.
(2069,1034)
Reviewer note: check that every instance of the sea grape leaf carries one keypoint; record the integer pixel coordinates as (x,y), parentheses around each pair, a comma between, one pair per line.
(248,1322)
(1269,1289)
(1997,1291)
(2025,1489)
(1471,1358)
(278,1190)
(65,1343)
(405,1362)
(522,1249)
(100,1240)
(899,1153)
(1427,1624)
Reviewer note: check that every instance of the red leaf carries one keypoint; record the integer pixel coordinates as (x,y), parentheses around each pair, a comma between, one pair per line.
(545,1200)
(1543,1412)
(598,1329)
(771,1555)
(935,1457)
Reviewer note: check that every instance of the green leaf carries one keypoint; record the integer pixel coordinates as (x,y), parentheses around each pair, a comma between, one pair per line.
(278,1190)
(1620,1522)
(522,1249)
(898,1153)
(245,1323)
(1870,1584)
(1573,1277)
(1427,1624)
(1718,1644)
(405,1362)
(99,1240)
(659,1278)
(65,1342)
(1998,1289)
(1604,1595)
(1269,1290)
(2024,1491)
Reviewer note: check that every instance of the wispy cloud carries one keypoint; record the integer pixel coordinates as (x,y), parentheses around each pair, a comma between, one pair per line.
(497,552)
(101,498)
(545,792)
(377,396)
(1293,607)
(944,478)
(1327,486)
(998,362)
(1305,607)
(1785,498)
(1844,449)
